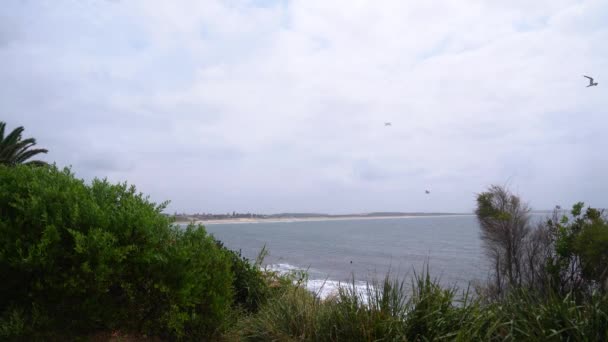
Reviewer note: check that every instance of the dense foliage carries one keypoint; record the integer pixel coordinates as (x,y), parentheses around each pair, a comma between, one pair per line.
(77,258)
(250,282)
(580,260)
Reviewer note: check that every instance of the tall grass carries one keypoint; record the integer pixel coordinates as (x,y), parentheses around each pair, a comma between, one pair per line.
(526,316)
(390,310)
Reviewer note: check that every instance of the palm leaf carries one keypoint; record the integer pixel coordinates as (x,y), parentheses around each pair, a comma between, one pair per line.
(8,152)
(23,156)
(21,146)
(2,125)
(14,151)
(13,137)
(11,151)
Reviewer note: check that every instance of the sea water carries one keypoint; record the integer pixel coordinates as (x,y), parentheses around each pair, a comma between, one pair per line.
(339,251)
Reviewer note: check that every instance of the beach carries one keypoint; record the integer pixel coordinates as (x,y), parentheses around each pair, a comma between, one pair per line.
(309,219)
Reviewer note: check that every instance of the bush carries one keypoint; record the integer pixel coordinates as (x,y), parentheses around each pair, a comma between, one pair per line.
(79,258)
(580,261)
(250,282)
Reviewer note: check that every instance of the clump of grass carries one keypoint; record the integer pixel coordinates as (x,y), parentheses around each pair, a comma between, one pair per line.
(384,311)
(291,316)
(526,315)
(434,312)
(371,314)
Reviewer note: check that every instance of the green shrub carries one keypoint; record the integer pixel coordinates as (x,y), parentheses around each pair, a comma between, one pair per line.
(250,283)
(580,261)
(77,258)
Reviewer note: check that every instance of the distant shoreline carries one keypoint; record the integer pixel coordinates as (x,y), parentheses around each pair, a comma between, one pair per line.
(312,219)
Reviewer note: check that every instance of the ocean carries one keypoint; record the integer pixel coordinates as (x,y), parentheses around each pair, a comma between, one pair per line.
(336,251)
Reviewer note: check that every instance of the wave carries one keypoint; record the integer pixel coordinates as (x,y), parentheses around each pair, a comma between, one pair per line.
(323,287)
(330,288)
(284,268)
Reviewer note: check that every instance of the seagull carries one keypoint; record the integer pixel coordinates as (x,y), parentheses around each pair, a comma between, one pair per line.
(591,83)
(427,192)
(387,124)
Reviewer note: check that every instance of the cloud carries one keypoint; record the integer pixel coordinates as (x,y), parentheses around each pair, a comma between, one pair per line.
(279,105)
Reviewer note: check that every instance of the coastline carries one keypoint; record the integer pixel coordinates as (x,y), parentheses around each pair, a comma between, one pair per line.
(309,219)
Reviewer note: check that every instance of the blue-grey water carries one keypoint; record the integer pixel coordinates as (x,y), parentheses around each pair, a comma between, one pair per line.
(450,245)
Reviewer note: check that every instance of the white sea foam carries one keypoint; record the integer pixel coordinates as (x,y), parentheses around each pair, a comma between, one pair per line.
(282,268)
(328,288)
(324,288)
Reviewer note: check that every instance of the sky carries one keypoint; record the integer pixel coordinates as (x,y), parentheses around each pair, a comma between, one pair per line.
(279,106)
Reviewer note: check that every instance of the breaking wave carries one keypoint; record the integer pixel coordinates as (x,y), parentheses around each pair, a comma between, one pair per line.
(323,287)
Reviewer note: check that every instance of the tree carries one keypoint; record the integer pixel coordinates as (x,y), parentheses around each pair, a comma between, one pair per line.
(566,254)
(14,150)
(504,222)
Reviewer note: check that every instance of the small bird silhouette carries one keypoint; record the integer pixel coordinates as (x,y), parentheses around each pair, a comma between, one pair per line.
(427,192)
(387,124)
(591,83)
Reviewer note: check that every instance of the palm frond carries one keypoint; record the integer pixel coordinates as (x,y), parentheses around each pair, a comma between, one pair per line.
(14,151)
(13,136)
(23,156)
(21,147)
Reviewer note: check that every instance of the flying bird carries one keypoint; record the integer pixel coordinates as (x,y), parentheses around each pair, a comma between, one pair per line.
(427,192)
(591,83)
(387,124)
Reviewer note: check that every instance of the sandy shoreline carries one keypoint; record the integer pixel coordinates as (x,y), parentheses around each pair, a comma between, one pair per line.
(311,219)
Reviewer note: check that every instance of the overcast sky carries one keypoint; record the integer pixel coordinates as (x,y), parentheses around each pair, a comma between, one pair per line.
(273,106)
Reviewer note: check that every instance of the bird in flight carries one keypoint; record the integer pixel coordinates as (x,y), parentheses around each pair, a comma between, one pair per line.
(591,83)
(427,192)
(387,124)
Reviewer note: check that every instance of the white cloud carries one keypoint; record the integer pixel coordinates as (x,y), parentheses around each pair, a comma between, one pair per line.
(279,106)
